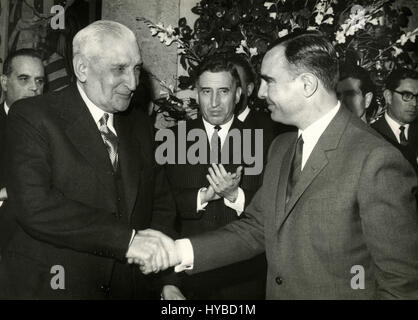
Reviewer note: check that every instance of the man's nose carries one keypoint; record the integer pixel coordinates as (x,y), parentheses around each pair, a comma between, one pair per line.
(215,100)
(132,81)
(262,91)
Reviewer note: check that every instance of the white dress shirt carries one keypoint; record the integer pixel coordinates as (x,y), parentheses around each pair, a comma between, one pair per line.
(239,203)
(243,115)
(310,136)
(6,109)
(394,125)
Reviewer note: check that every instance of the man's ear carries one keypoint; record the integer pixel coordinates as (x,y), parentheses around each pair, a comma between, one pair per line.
(238,94)
(368,99)
(250,88)
(387,94)
(3,81)
(310,84)
(80,64)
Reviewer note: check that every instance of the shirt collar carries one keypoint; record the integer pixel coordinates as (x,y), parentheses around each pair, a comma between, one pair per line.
(243,115)
(222,133)
(6,107)
(95,111)
(314,131)
(394,125)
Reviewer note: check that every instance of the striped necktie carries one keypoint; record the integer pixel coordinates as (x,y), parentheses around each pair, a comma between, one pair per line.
(110,140)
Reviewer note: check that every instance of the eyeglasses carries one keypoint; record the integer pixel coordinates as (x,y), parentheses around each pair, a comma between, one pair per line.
(406,95)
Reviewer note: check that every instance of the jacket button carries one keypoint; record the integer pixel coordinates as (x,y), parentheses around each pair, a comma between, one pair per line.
(279,280)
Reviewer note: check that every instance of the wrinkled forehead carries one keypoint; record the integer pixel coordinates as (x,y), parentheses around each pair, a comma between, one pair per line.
(27,65)
(117,50)
(219,79)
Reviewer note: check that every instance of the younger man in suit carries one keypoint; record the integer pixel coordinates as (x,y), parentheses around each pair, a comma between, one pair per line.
(399,125)
(205,199)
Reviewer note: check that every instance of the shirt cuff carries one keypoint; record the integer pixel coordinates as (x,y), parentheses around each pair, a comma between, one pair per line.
(199,206)
(239,203)
(1,203)
(184,249)
(132,237)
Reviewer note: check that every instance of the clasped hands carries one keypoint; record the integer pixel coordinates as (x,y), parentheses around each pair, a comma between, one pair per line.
(222,184)
(153,251)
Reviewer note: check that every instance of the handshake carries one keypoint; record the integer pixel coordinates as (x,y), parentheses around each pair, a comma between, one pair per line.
(153,251)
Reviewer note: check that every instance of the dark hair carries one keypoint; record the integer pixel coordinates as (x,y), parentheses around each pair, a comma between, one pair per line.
(312,52)
(357,72)
(217,63)
(396,76)
(7,66)
(240,61)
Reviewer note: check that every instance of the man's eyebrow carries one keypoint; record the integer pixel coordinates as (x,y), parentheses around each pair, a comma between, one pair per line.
(266,78)
(23,75)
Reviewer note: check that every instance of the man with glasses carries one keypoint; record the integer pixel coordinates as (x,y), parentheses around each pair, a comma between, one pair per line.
(399,124)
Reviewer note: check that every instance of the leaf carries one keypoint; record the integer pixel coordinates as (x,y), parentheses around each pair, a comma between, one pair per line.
(182,22)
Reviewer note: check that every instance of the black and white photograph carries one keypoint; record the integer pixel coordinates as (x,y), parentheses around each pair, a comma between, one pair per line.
(224,152)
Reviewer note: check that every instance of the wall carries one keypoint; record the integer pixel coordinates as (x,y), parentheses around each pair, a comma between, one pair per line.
(158,58)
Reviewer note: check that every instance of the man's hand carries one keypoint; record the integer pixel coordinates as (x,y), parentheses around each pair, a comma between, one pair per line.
(171,292)
(225,184)
(3,194)
(208,195)
(153,251)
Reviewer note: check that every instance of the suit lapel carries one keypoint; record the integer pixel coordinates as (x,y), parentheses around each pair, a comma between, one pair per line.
(316,163)
(283,177)
(130,161)
(85,136)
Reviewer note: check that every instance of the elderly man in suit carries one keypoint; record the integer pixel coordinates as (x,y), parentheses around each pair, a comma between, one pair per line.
(399,125)
(336,212)
(23,77)
(202,206)
(83,180)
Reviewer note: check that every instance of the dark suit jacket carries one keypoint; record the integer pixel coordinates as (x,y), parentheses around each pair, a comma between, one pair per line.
(353,205)
(185,181)
(63,198)
(410,152)
(3,228)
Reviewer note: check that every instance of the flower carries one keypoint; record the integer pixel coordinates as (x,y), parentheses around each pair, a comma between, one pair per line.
(283,33)
(253,52)
(268,5)
(318,19)
(397,52)
(330,20)
(340,37)
(240,49)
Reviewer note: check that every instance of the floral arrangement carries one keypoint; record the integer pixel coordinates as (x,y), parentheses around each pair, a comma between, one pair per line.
(366,33)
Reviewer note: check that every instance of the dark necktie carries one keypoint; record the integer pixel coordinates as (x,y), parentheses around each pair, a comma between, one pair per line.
(295,169)
(110,140)
(402,136)
(215,144)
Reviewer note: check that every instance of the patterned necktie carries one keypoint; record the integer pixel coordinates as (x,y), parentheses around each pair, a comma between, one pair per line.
(295,169)
(402,136)
(215,144)
(110,140)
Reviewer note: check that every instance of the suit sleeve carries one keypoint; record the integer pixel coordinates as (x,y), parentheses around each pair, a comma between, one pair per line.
(43,211)
(239,240)
(389,218)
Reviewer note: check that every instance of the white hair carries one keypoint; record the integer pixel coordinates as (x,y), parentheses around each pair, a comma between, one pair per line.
(90,40)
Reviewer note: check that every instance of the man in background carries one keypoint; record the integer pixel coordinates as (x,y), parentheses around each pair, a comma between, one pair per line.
(23,77)
(399,125)
(356,91)
(207,197)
